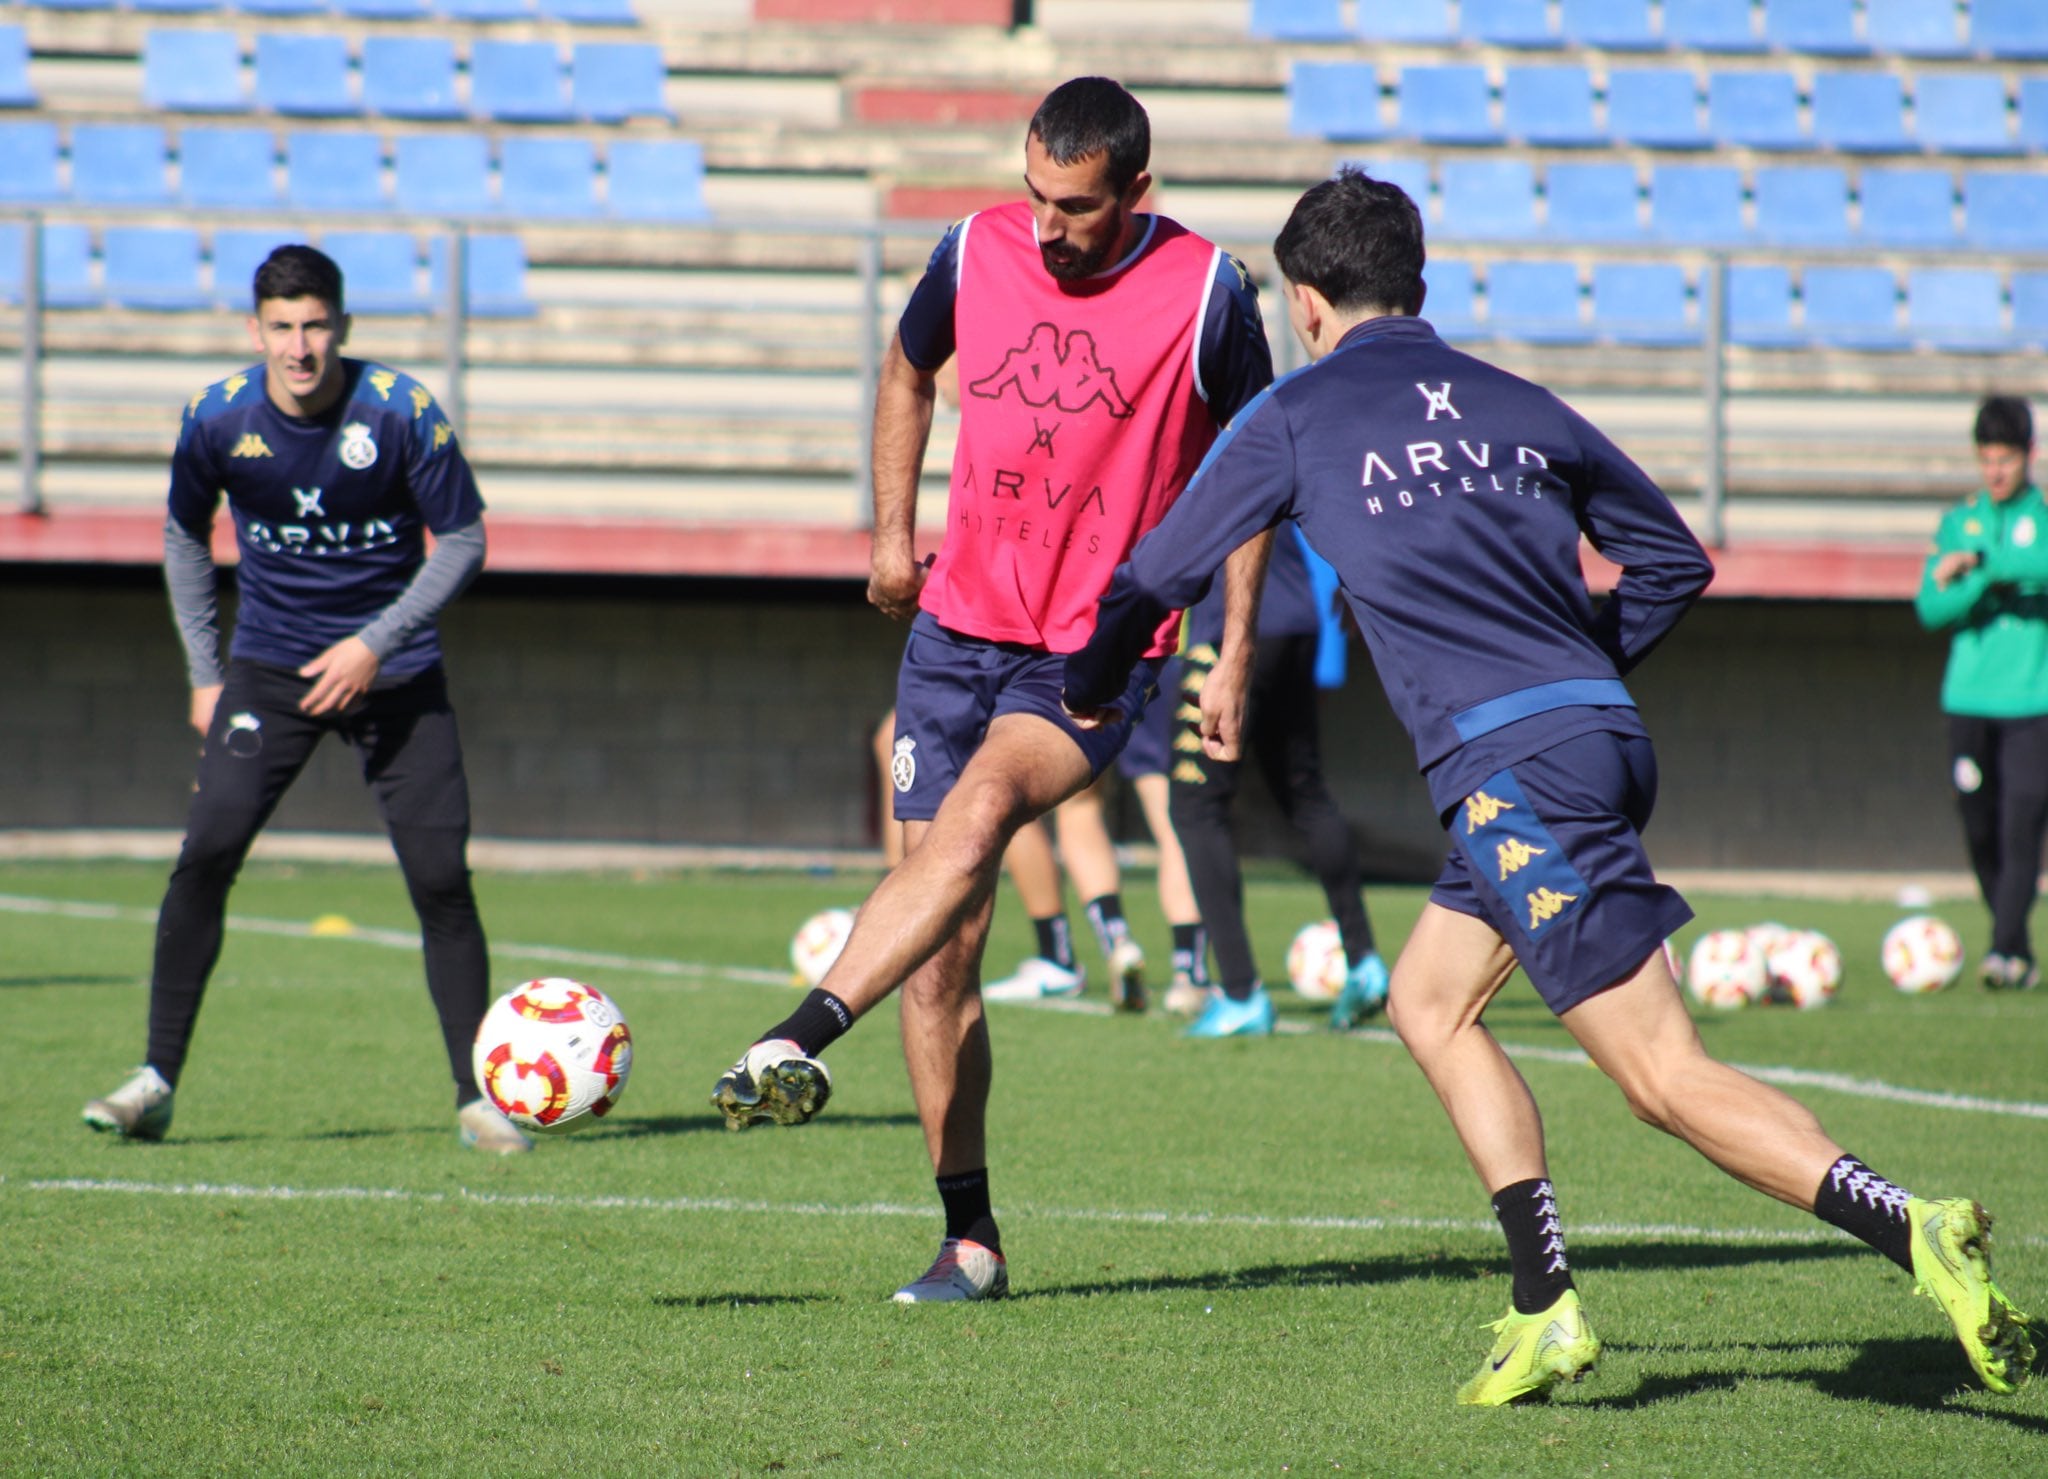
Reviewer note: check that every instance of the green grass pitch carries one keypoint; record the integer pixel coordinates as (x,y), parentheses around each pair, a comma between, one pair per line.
(1252,1257)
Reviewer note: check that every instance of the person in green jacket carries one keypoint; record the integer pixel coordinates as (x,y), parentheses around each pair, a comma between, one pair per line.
(1986,582)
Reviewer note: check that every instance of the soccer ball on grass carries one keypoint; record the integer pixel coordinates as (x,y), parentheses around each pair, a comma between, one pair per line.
(817,943)
(1805,969)
(1725,970)
(1921,954)
(553,1055)
(1316,966)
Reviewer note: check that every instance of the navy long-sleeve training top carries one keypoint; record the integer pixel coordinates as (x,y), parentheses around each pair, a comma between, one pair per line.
(1450,496)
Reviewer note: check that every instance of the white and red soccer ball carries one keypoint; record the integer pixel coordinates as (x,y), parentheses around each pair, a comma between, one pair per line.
(1921,954)
(553,1055)
(1726,970)
(817,943)
(1805,969)
(1316,966)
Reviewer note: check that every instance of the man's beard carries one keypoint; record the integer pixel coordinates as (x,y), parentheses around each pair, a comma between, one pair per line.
(1071,266)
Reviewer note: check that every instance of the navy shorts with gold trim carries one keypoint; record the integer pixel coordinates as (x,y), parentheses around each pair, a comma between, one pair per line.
(951,687)
(1549,852)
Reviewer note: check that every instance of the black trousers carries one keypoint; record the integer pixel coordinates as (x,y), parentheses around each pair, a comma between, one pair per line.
(2001,780)
(411,756)
(1283,740)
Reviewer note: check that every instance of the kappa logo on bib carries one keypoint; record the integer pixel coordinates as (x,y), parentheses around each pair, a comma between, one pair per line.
(358,451)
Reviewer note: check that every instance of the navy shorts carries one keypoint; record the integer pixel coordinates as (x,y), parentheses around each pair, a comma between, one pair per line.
(952,686)
(1150,750)
(1550,853)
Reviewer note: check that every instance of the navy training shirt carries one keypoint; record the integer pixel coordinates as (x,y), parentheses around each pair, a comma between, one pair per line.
(1450,496)
(1287,601)
(1233,362)
(330,512)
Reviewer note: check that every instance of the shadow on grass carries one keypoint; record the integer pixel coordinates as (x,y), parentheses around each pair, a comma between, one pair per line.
(746,1301)
(689,1124)
(1926,1373)
(30,981)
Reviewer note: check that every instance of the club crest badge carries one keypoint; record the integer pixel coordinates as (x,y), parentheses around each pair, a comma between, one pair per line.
(358,451)
(903,763)
(2023,531)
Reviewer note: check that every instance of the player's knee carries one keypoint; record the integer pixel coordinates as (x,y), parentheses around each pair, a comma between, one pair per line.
(215,844)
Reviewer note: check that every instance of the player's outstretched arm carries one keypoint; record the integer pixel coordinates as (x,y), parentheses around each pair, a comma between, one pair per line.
(904,398)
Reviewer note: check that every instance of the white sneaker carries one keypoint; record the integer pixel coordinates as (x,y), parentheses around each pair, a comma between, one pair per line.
(1127,975)
(1184,998)
(484,1128)
(773,1083)
(139,1110)
(963,1270)
(1036,978)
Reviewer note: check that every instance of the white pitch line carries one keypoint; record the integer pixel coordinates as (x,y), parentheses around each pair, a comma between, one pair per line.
(1807,1078)
(1624,1231)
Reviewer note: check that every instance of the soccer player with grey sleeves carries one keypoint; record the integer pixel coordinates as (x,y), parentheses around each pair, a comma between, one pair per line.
(334,471)
(1451,498)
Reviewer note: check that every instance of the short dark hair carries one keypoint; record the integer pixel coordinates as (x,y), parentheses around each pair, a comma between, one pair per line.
(299,271)
(1093,115)
(1358,242)
(2005,421)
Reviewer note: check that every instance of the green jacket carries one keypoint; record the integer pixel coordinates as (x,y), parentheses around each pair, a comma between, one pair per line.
(1998,611)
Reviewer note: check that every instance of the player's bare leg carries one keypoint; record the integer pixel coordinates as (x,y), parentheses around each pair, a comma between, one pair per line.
(945,1043)
(1035,873)
(1185,994)
(1090,858)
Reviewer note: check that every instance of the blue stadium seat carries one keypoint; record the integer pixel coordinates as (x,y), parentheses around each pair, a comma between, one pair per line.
(1642,303)
(655,179)
(1697,203)
(1757,110)
(67,268)
(1863,112)
(1298,20)
(485,10)
(379,270)
(1334,100)
(1710,25)
(2006,209)
(442,174)
(1956,307)
(1488,197)
(1657,107)
(1758,306)
(1412,175)
(2015,29)
(193,71)
(410,77)
(1852,307)
(15,91)
(1447,105)
(1549,106)
(1962,113)
(494,277)
(1815,27)
(227,167)
(383,10)
(1802,205)
(1451,297)
(1424,21)
(282,7)
(237,253)
(74,4)
(334,171)
(28,161)
(174,7)
(1593,202)
(589,12)
(1537,301)
(11,239)
(1908,207)
(2030,309)
(611,81)
(1912,27)
(118,164)
(152,267)
(1614,25)
(518,82)
(1523,23)
(303,74)
(547,177)
(2034,114)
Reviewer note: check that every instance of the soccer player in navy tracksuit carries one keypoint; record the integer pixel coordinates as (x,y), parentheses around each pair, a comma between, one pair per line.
(334,471)
(1451,498)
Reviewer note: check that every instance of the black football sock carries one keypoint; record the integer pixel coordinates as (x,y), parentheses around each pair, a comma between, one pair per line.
(1191,952)
(1528,1215)
(967,1209)
(819,1021)
(1865,1205)
(1107,915)
(1055,940)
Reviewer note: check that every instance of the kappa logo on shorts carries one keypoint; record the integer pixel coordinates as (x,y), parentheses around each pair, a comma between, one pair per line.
(358,451)
(1514,855)
(903,763)
(1526,866)
(1545,905)
(1482,810)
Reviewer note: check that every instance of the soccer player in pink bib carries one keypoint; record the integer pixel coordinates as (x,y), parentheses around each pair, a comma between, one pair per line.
(1100,350)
